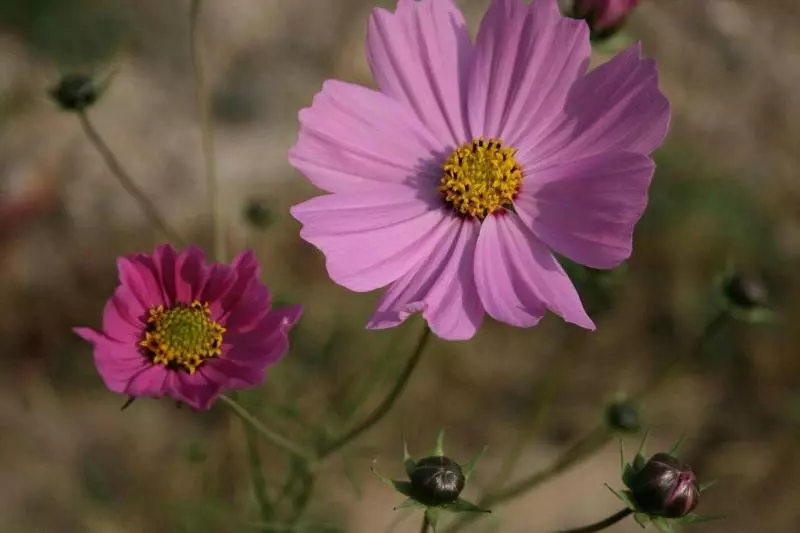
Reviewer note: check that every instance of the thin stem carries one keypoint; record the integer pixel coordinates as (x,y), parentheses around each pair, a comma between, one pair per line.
(265,508)
(601,525)
(425,523)
(385,406)
(270,435)
(125,179)
(207,132)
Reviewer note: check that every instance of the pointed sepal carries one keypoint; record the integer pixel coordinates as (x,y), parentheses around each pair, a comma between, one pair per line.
(408,461)
(469,466)
(403,487)
(410,503)
(438,449)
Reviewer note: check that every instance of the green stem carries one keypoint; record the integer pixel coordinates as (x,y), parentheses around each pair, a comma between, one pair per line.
(257,477)
(263,430)
(425,523)
(125,179)
(601,525)
(385,406)
(207,132)
(597,438)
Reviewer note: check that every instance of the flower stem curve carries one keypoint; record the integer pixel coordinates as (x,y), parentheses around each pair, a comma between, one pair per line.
(602,524)
(112,162)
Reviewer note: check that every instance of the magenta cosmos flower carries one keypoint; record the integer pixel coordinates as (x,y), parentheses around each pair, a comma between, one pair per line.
(604,15)
(452,183)
(179,327)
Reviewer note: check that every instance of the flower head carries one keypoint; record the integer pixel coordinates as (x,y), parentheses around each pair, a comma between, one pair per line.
(180,327)
(604,16)
(453,183)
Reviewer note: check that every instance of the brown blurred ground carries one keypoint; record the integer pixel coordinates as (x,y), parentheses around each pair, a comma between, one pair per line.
(727,189)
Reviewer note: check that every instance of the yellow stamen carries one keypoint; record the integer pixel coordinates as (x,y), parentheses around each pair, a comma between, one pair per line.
(480,177)
(182,336)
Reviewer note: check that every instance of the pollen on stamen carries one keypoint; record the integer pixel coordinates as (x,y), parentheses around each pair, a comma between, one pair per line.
(183,336)
(480,177)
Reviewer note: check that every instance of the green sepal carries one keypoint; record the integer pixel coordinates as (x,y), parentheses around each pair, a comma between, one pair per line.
(639,460)
(411,503)
(433,514)
(469,466)
(438,449)
(625,496)
(693,518)
(707,485)
(674,451)
(463,506)
(408,461)
(759,315)
(662,525)
(642,519)
(403,487)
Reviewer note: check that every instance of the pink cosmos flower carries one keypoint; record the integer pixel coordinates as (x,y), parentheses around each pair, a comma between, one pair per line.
(179,327)
(453,182)
(604,15)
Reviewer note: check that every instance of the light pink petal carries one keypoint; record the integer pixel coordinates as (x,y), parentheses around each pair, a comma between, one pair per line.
(353,137)
(191,274)
(526,59)
(518,278)
(139,273)
(195,390)
(587,209)
(616,107)
(420,55)
(442,287)
(370,238)
(117,363)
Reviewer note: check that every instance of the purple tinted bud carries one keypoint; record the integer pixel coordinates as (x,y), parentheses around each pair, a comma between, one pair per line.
(665,487)
(604,16)
(437,480)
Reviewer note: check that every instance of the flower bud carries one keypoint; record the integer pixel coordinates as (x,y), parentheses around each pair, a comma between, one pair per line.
(665,487)
(75,92)
(745,291)
(604,17)
(437,480)
(624,415)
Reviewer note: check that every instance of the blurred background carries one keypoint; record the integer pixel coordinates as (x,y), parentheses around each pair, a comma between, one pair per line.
(726,192)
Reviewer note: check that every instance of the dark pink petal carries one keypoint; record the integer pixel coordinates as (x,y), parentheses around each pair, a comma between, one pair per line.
(617,107)
(245,265)
(587,209)
(518,278)
(526,59)
(220,279)
(195,390)
(165,258)
(140,275)
(373,237)
(117,363)
(191,274)
(353,137)
(122,317)
(420,55)
(232,374)
(150,382)
(266,343)
(441,286)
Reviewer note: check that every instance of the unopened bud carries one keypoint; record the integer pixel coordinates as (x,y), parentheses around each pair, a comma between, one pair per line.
(75,92)
(745,291)
(665,487)
(604,17)
(437,480)
(624,415)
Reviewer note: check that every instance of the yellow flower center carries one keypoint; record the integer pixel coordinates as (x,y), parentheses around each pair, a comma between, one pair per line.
(480,177)
(182,336)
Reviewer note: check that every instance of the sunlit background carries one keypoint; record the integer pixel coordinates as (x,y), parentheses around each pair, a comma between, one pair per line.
(726,193)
